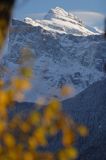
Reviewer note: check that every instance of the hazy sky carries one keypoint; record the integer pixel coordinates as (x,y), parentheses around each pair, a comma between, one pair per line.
(28,6)
(39,7)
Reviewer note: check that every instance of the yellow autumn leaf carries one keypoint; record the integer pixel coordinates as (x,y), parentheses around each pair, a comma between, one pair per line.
(66,91)
(21,84)
(1,83)
(3,111)
(2,126)
(35,118)
(53,130)
(12,155)
(71,153)
(9,140)
(25,84)
(1,149)
(54,105)
(68,137)
(28,156)
(32,142)
(3,98)
(25,127)
(48,115)
(82,130)
(26,72)
(40,136)
(62,155)
(10,94)
(46,156)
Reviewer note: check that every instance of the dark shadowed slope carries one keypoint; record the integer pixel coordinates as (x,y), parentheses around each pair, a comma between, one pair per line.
(89,108)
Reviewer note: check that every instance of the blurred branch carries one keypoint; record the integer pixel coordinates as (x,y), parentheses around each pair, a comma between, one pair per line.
(105,27)
(6,7)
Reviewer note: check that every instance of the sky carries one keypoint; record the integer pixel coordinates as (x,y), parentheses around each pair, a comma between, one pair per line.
(90,11)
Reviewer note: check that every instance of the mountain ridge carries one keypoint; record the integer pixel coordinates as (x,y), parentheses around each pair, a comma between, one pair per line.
(89,108)
(60,21)
(58,59)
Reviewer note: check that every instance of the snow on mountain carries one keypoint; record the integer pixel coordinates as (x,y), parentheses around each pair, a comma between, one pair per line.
(101,31)
(60,21)
(59,57)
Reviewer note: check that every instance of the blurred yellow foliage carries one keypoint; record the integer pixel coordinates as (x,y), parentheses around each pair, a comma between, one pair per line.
(71,153)
(68,154)
(40,135)
(34,130)
(26,72)
(83,131)
(9,140)
(25,127)
(20,84)
(2,127)
(35,118)
(32,143)
(54,105)
(3,98)
(66,91)
(1,83)
(68,137)
(28,156)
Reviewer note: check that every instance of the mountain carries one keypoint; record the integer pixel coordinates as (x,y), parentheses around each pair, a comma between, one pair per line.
(60,21)
(86,108)
(89,108)
(74,57)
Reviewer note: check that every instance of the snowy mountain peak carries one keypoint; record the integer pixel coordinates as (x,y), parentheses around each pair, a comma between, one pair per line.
(28,20)
(56,12)
(60,21)
(60,13)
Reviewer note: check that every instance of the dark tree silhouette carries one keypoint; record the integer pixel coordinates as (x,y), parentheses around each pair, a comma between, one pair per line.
(6,7)
(105,27)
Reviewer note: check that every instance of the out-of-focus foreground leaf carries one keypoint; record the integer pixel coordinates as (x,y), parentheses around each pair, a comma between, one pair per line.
(105,27)
(6,7)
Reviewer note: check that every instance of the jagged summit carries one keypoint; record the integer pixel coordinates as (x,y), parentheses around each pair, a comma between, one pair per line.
(29,21)
(61,14)
(54,13)
(61,21)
